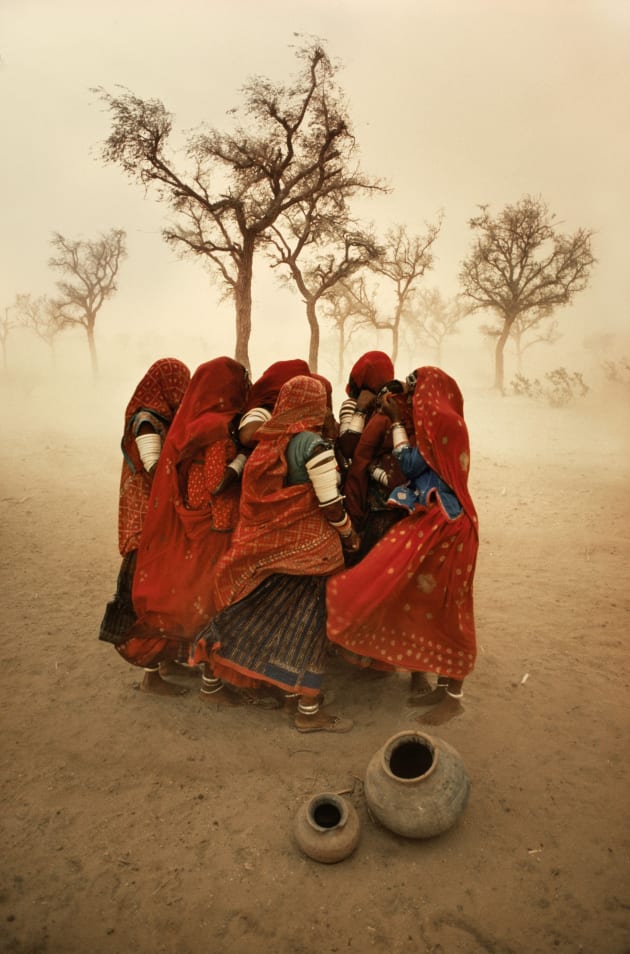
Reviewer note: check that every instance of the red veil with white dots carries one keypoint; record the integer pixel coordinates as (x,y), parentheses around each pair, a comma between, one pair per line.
(409,603)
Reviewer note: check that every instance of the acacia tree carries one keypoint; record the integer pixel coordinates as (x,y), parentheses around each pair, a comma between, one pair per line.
(403,262)
(7,323)
(432,318)
(91,269)
(333,256)
(347,304)
(292,144)
(521,266)
(39,315)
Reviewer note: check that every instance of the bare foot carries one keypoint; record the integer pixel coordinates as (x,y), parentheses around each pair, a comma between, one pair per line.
(446,710)
(430,698)
(222,698)
(154,683)
(322,722)
(419,683)
(180,670)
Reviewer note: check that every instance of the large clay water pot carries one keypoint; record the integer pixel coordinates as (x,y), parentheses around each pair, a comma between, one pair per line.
(416,785)
(327,828)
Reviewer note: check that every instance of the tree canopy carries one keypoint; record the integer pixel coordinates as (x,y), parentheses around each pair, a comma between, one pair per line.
(520,264)
(292,149)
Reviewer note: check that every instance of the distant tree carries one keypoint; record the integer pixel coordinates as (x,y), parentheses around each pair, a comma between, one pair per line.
(345,306)
(403,262)
(521,266)
(91,269)
(7,324)
(332,256)
(529,329)
(294,146)
(433,318)
(39,315)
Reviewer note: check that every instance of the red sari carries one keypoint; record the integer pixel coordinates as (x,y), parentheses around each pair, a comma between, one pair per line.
(281,528)
(156,399)
(271,582)
(187,530)
(265,389)
(409,604)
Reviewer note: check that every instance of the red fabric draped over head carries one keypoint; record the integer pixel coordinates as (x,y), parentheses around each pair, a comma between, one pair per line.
(409,603)
(441,432)
(266,388)
(159,394)
(180,546)
(370,372)
(281,528)
(327,386)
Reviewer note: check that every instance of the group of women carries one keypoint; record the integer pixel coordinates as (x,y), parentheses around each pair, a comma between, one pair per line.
(259,536)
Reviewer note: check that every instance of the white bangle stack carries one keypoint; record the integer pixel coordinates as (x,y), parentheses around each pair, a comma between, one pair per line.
(399,435)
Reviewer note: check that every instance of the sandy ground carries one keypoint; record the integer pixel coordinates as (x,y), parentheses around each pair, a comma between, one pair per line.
(132,823)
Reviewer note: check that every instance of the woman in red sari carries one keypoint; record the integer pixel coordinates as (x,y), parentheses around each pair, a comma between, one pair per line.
(263,395)
(190,519)
(409,604)
(290,536)
(148,417)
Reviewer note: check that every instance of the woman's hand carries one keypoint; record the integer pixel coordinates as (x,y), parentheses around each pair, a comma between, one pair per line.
(389,407)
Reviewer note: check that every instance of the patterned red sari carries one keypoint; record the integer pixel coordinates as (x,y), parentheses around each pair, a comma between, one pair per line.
(187,529)
(156,399)
(409,604)
(281,528)
(272,627)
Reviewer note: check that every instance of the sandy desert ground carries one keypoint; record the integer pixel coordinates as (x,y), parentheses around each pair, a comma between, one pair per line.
(132,823)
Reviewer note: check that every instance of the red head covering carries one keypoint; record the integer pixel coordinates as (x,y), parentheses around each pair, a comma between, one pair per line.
(179,550)
(161,389)
(281,528)
(265,390)
(217,391)
(158,393)
(328,387)
(371,372)
(441,432)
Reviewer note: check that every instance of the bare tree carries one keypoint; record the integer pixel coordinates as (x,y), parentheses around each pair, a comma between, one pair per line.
(39,315)
(520,265)
(346,306)
(403,262)
(333,255)
(293,145)
(432,318)
(91,269)
(7,324)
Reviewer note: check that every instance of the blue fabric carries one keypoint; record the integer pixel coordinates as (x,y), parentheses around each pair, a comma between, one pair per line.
(424,485)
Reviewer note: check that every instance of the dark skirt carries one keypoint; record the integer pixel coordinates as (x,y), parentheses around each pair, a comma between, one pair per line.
(276,634)
(119,613)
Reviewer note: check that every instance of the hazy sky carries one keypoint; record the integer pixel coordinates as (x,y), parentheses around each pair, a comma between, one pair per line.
(454,102)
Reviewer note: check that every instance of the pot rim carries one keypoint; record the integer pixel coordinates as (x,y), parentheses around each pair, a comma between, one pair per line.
(410,735)
(321,799)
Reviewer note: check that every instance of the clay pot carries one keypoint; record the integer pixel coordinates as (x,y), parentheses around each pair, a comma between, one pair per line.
(416,785)
(327,828)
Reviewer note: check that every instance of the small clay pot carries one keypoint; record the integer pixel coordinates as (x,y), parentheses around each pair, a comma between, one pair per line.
(416,785)
(327,828)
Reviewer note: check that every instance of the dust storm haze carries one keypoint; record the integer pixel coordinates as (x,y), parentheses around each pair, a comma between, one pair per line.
(138,824)
(455,105)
